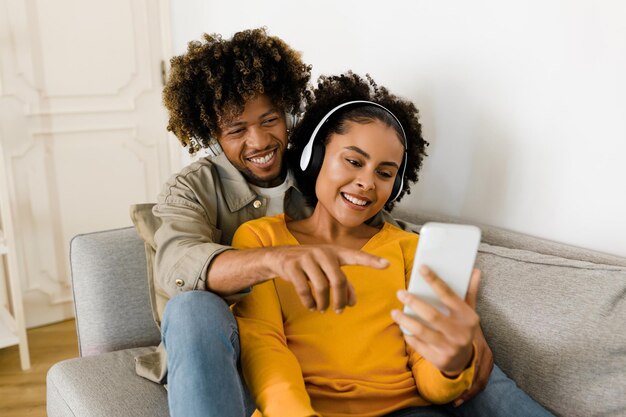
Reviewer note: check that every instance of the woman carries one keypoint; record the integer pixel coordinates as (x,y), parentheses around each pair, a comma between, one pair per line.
(355,152)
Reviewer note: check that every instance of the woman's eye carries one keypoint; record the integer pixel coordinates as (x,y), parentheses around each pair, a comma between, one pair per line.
(385,174)
(354,162)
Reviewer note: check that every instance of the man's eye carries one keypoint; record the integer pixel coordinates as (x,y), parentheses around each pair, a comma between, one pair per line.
(270,121)
(236,132)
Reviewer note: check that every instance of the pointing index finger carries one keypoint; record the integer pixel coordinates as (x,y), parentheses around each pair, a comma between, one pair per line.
(358,257)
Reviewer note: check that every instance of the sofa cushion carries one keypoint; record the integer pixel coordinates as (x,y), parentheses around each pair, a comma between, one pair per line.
(111,292)
(556,326)
(104,385)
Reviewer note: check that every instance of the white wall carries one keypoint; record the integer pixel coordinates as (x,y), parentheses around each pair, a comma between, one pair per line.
(524,103)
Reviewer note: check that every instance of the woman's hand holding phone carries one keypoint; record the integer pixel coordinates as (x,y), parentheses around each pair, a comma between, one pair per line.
(446,341)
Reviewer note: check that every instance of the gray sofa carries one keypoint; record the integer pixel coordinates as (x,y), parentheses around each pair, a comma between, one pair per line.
(554,316)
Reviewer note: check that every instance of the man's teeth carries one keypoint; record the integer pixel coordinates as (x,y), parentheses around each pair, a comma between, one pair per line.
(354,200)
(263,159)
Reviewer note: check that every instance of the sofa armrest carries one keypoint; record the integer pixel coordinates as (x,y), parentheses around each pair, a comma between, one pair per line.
(111,296)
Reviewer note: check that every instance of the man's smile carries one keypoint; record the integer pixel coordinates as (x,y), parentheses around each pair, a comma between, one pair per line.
(263,160)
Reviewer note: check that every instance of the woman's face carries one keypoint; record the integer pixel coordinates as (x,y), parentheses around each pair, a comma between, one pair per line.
(358,171)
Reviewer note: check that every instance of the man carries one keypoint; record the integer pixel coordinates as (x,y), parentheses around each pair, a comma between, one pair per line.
(237,93)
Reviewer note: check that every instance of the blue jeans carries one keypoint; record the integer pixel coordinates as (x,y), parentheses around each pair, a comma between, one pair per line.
(204,379)
(501,397)
(202,344)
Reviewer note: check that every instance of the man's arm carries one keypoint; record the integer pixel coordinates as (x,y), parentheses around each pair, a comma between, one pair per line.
(190,257)
(314,271)
(186,242)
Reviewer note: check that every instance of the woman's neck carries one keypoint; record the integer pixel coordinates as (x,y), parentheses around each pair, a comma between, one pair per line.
(321,227)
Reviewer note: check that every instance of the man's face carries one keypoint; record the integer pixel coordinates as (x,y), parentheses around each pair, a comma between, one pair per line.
(255,142)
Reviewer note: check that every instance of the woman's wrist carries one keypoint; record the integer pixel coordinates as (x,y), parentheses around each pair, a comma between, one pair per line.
(455,374)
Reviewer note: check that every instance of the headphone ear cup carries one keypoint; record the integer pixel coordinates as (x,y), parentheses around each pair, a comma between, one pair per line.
(317,158)
(398,182)
(397,186)
(215,147)
(291,120)
(288,121)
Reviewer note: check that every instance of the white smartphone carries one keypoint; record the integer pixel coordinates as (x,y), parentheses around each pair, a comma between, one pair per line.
(449,250)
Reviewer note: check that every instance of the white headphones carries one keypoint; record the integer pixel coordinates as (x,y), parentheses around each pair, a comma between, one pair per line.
(308,153)
(291,120)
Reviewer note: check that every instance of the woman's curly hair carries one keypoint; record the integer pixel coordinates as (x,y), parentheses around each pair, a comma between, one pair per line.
(211,83)
(332,91)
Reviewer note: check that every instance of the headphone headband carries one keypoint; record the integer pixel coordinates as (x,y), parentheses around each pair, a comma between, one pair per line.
(308,149)
(307,152)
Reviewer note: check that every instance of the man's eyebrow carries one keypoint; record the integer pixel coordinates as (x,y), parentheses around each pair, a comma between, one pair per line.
(367,156)
(267,113)
(237,123)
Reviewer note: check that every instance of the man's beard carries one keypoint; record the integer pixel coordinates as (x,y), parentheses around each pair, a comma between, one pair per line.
(263,182)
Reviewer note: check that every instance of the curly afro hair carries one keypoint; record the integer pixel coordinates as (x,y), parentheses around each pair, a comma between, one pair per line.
(332,91)
(210,83)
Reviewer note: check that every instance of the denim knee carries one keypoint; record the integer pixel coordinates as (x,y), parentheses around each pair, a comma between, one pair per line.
(197,312)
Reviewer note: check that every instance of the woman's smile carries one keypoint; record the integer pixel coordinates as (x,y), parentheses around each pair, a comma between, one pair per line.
(355,202)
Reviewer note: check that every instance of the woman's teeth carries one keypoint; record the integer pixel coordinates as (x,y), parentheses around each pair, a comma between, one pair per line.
(354,200)
(263,159)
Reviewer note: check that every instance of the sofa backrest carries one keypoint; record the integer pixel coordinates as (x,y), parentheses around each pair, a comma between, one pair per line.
(553,315)
(555,318)
(111,296)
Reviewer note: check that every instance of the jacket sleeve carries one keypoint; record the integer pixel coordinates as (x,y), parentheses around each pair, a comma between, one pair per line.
(270,369)
(188,238)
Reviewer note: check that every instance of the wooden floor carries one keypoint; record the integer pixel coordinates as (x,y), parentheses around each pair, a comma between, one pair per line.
(23,393)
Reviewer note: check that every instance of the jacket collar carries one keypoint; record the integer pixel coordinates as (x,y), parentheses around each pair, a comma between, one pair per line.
(236,190)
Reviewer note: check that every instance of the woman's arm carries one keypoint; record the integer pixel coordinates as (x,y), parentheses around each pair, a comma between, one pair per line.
(441,354)
(433,385)
(483,353)
(271,370)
